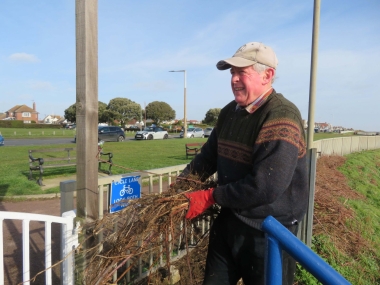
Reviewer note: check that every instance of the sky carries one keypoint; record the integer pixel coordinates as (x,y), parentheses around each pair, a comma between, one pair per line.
(139,42)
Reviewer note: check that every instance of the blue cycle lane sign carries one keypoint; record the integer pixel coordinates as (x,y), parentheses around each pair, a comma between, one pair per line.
(127,188)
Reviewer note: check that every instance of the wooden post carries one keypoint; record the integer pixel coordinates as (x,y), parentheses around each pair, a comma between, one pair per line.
(86,16)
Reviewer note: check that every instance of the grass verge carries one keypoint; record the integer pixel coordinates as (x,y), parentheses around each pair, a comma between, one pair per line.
(128,157)
(358,263)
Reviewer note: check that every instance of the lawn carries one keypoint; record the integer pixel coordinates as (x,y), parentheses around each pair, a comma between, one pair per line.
(322,136)
(20,133)
(128,157)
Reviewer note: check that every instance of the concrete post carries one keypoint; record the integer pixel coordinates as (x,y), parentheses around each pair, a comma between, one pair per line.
(87,107)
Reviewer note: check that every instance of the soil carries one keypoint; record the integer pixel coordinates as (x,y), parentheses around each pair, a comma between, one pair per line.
(329,217)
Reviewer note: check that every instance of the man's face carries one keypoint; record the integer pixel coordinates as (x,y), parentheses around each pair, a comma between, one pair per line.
(247,84)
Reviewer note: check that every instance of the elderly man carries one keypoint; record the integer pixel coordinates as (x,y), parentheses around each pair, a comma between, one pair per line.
(258,150)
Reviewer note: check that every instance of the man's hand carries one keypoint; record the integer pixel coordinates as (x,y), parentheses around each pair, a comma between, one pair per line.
(199,201)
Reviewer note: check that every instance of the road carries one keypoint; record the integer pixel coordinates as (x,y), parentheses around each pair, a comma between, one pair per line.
(47,141)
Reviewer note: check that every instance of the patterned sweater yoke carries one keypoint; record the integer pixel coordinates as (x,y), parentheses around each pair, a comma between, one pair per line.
(260,160)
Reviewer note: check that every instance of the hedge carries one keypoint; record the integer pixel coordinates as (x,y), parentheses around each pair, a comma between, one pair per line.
(21,124)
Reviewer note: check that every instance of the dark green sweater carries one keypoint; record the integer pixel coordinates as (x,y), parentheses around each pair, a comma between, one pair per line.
(260,159)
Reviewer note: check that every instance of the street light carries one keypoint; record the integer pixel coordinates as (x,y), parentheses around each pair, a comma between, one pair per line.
(184,102)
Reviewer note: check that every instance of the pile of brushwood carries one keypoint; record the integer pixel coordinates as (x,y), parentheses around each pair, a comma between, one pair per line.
(142,236)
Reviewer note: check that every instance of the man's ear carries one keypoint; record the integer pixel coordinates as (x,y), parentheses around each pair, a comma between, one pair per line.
(268,75)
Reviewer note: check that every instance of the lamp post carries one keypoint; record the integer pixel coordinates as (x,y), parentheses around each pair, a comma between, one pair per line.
(184,102)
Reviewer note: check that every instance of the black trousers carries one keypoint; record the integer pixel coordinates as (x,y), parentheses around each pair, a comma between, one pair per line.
(236,251)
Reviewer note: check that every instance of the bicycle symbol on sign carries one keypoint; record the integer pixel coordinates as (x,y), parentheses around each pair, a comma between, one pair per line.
(126,190)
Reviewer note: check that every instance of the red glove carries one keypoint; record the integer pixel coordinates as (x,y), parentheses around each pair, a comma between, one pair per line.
(199,201)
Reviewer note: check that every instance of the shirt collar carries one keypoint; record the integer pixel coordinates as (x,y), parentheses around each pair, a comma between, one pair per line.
(252,107)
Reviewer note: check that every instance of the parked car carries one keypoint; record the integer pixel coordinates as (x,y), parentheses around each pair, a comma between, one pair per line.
(1,140)
(132,128)
(150,133)
(106,133)
(208,131)
(193,133)
(111,134)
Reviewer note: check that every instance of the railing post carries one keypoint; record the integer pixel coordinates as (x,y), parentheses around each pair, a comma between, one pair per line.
(1,253)
(69,242)
(25,252)
(301,253)
(273,262)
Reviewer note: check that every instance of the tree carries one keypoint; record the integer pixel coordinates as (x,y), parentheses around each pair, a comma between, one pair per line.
(212,116)
(124,110)
(159,111)
(109,116)
(101,115)
(71,113)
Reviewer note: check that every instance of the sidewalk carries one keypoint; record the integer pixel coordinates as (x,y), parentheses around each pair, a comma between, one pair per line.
(50,183)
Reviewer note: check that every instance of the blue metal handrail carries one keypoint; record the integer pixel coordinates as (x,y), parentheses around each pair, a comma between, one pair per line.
(280,238)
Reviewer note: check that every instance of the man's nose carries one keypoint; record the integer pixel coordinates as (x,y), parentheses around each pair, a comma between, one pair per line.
(235,77)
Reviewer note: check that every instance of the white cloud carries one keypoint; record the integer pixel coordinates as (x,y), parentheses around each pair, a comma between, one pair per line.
(41,85)
(23,57)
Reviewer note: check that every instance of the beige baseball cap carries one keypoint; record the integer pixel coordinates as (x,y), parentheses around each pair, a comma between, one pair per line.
(249,54)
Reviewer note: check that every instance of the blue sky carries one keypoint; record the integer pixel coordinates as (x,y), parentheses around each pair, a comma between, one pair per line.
(140,41)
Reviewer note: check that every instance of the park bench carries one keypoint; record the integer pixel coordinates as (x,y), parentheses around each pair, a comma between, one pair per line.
(58,158)
(193,148)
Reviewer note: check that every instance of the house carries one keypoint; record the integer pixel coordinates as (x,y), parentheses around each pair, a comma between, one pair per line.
(193,122)
(52,119)
(22,113)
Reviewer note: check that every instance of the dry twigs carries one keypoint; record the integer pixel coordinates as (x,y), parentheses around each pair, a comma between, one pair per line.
(144,234)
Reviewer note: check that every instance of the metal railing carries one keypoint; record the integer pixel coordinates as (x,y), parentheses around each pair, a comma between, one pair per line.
(280,238)
(69,242)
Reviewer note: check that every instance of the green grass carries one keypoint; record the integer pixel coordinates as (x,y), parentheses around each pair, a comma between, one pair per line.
(19,133)
(128,157)
(321,136)
(363,173)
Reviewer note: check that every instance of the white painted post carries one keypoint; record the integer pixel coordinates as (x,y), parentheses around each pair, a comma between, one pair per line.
(1,253)
(48,275)
(25,252)
(69,243)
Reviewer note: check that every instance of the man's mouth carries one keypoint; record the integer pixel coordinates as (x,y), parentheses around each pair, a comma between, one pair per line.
(238,88)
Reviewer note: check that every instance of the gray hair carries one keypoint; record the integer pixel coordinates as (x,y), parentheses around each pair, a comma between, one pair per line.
(259,68)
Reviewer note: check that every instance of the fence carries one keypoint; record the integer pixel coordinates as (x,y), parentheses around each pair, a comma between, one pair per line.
(154,178)
(68,243)
(279,238)
(346,145)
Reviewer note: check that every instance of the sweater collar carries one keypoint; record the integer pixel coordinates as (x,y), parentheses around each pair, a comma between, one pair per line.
(252,107)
